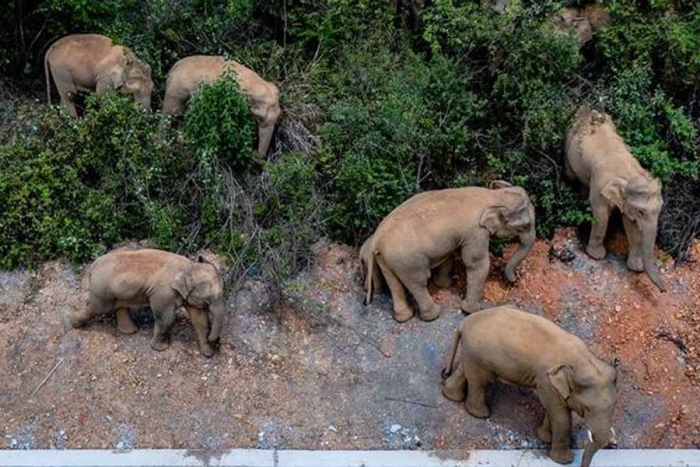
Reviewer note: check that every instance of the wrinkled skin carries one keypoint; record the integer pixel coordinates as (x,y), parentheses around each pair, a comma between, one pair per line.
(597,156)
(91,63)
(187,74)
(583,22)
(164,281)
(511,346)
(424,232)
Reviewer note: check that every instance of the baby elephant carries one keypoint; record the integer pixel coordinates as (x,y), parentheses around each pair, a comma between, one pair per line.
(164,281)
(523,349)
(424,232)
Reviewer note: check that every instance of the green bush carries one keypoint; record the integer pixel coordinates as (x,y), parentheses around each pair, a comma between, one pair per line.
(464,96)
(218,121)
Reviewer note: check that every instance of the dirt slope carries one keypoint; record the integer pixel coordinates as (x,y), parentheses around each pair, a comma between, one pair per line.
(320,370)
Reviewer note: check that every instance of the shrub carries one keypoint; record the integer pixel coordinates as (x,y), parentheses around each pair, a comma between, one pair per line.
(218,121)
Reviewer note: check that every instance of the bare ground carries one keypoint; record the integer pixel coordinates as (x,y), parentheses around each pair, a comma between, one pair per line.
(319,370)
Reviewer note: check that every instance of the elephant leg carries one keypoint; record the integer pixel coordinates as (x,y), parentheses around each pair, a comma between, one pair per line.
(200,322)
(416,282)
(67,100)
(94,307)
(402,312)
(558,420)
(125,324)
(456,385)
(544,432)
(477,381)
(443,277)
(265,131)
(477,270)
(601,213)
(634,238)
(173,106)
(165,318)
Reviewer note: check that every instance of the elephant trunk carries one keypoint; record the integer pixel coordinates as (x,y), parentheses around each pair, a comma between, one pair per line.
(144,99)
(216,311)
(527,241)
(647,258)
(595,443)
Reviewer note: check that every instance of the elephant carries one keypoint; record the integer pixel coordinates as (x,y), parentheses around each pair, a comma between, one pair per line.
(584,22)
(515,347)
(188,73)
(164,281)
(598,157)
(424,232)
(91,62)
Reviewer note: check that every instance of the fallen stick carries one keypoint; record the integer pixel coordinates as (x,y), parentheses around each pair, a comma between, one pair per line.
(47,376)
(422,404)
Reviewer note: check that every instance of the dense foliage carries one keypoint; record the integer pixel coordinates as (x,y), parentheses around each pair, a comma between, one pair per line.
(376,107)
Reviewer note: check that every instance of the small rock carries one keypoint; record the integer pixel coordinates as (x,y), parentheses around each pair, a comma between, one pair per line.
(395,428)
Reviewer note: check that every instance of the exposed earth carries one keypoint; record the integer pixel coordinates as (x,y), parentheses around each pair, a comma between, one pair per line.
(318,370)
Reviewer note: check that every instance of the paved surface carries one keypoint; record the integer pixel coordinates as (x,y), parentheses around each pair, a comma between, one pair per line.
(277,458)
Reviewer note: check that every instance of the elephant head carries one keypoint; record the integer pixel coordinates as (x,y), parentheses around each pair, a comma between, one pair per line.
(511,215)
(640,201)
(200,286)
(588,388)
(132,76)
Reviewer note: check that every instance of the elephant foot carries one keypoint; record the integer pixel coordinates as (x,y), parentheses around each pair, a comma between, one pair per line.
(635,264)
(596,252)
(125,324)
(206,350)
(127,329)
(562,456)
(544,435)
(160,345)
(431,313)
(77,321)
(478,411)
(442,281)
(403,314)
(453,393)
(469,307)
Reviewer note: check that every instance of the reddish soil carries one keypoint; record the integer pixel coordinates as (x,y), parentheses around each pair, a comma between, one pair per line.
(319,370)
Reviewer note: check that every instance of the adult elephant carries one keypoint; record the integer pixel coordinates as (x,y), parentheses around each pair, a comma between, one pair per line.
(424,232)
(509,345)
(92,63)
(187,74)
(597,156)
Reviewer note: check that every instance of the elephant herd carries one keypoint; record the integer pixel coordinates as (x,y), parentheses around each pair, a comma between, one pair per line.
(419,237)
(92,63)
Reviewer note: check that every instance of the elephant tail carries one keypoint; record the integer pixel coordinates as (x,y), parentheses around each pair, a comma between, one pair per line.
(446,372)
(368,279)
(47,72)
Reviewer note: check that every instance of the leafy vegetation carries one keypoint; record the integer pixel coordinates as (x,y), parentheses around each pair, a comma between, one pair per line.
(375,109)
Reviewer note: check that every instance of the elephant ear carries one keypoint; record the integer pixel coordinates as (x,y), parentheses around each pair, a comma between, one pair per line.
(560,377)
(498,184)
(116,77)
(492,218)
(615,191)
(182,284)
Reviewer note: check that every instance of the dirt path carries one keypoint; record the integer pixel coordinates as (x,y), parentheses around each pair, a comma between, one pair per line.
(322,371)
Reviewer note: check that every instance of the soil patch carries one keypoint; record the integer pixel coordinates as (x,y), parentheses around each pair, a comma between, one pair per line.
(318,370)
